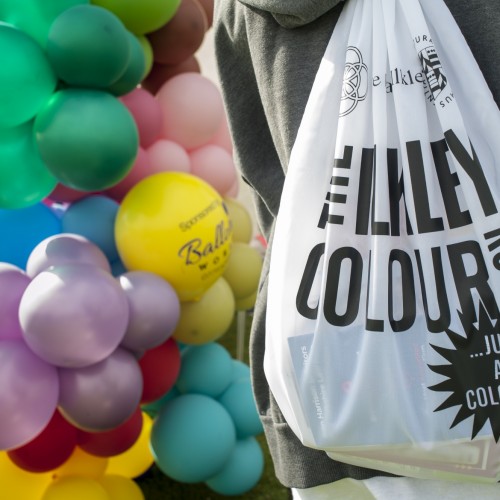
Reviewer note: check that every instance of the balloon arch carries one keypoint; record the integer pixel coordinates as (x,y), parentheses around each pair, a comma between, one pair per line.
(124,255)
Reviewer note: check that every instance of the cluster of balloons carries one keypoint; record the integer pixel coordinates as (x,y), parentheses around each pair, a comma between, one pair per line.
(205,429)
(80,352)
(82,476)
(74,337)
(122,242)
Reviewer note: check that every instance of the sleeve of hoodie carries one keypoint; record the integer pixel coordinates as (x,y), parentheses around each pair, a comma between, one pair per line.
(294,13)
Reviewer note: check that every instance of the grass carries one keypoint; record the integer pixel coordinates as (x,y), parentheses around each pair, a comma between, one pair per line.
(157,486)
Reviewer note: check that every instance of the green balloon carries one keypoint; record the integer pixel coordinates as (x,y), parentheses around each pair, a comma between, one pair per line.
(87,138)
(26,78)
(142,16)
(24,179)
(134,72)
(34,17)
(88,46)
(148,53)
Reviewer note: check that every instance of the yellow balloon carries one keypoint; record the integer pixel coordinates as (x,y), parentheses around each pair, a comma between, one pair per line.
(83,464)
(19,484)
(242,222)
(177,226)
(246,303)
(137,459)
(207,319)
(121,488)
(75,488)
(243,270)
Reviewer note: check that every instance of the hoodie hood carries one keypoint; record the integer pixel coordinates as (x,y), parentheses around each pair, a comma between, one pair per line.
(293,13)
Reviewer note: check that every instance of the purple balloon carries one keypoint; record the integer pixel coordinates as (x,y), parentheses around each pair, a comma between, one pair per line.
(154,310)
(65,248)
(29,391)
(13,283)
(73,315)
(102,396)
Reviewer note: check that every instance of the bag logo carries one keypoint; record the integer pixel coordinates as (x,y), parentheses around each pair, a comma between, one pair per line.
(355,84)
(473,372)
(433,70)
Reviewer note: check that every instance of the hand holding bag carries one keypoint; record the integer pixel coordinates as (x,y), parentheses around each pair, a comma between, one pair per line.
(383,320)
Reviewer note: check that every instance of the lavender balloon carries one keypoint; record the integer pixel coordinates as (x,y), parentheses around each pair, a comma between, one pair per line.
(154,310)
(29,391)
(13,283)
(65,248)
(73,315)
(102,396)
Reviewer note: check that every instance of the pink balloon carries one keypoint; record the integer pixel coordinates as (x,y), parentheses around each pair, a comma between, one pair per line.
(29,392)
(222,137)
(140,170)
(168,156)
(233,191)
(215,166)
(147,114)
(192,109)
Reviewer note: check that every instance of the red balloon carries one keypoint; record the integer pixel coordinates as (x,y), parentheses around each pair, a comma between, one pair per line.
(160,73)
(160,368)
(64,194)
(113,442)
(208,7)
(50,449)
(182,36)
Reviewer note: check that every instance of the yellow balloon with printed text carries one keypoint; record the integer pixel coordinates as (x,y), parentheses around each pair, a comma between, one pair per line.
(177,226)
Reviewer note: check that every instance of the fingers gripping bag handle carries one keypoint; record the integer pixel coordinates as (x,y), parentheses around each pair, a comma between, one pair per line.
(383,331)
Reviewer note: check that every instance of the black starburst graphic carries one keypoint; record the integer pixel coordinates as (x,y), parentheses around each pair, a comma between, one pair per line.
(472,374)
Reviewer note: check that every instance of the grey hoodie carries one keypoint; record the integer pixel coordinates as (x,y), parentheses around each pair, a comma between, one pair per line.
(268,52)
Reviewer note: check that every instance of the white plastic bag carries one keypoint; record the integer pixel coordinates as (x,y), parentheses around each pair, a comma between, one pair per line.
(383,331)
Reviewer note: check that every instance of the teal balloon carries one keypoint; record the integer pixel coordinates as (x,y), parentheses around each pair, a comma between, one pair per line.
(239,402)
(242,471)
(192,438)
(94,218)
(35,17)
(26,77)
(23,229)
(24,177)
(87,138)
(88,46)
(205,369)
(134,71)
(153,408)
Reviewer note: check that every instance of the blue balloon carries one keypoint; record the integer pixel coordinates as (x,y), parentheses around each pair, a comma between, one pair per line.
(192,438)
(94,217)
(23,229)
(242,471)
(118,268)
(238,400)
(205,369)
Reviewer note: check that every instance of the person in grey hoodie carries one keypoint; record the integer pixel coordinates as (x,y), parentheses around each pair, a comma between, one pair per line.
(268,52)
